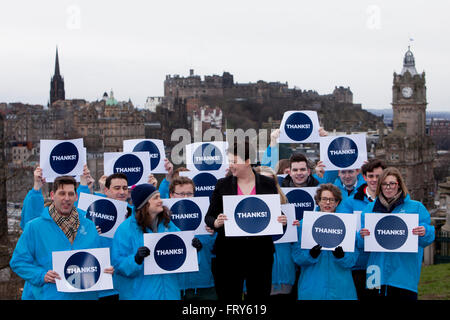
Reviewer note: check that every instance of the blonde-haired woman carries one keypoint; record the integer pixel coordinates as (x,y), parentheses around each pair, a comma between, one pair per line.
(283,268)
(399,272)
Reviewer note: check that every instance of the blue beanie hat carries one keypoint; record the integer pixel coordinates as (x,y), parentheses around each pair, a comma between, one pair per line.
(141,193)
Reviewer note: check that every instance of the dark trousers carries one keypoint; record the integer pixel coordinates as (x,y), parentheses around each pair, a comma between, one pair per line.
(359,279)
(391,293)
(232,269)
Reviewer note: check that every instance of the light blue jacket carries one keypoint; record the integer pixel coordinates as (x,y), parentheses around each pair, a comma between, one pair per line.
(32,257)
(401,269)
(283,268)
(338,183)
(350,205)
(32,207)
(164,189)
(129,277)
(325,277)
(202,278)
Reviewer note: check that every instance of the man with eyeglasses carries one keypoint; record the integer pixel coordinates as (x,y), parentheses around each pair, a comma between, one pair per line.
(365,194)
(196,285)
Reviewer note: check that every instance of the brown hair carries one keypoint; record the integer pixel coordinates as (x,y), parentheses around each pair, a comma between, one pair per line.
(143,217)
(115,176)
(62,181)
(371,165)
(264,169)
(176,172)
(391,171)
(282,165)
(180,181)
(298,157)
(328,187)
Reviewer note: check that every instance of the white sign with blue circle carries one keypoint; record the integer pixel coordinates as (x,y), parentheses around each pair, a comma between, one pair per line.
(82,270)
(207,156)
(343,152)
(106,213)
(135,165)
(188,213)
(252,215)
(391,232)
(299,126)
(204,181)
(170,252)
(329,230)
(155,149)
(62,158)
(289,230)
(301,198)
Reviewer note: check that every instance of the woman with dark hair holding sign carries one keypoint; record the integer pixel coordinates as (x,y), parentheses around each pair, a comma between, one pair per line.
(128,250)
(241,258)
(326,275)
(395,275)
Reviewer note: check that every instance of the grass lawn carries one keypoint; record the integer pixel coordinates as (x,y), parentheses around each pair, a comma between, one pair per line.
(435,282)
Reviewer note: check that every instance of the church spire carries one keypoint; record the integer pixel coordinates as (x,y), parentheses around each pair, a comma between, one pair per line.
(57,62)
(57,83)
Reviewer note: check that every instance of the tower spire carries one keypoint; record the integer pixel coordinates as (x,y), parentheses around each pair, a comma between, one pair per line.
(57,62)
(57,83)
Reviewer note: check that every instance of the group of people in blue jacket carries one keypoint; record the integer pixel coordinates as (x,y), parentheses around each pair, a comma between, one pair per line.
(258,269)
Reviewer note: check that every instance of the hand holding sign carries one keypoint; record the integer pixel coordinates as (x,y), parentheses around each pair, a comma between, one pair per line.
(39,181)
(141,254)
(219,222)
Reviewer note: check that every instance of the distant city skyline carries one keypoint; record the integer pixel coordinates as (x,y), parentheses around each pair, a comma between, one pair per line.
(131,47)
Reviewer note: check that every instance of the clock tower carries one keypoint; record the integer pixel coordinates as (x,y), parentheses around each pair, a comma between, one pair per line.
(409,98)
(407,147)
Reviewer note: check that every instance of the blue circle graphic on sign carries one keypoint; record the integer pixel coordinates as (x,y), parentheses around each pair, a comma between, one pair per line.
(328,231)
(302,201)
(342,152)
(170,252)
(82,270)
(131,166)
(103,213)
(277,237)
(64,158)
(252,215)
(205,184)
(391,232)
(207,157)
(298,126)
(186,215)
(152,150)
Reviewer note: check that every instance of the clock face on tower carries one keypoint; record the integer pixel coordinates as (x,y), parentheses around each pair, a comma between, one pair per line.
(407,92)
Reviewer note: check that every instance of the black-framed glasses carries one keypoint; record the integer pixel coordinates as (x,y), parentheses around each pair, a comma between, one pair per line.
(389,185)
(184,194)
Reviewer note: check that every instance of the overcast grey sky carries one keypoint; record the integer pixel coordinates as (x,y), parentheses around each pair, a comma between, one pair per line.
(130,46)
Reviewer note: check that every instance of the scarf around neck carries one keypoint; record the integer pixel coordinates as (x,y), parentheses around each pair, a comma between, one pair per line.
(389,203)
(69,224)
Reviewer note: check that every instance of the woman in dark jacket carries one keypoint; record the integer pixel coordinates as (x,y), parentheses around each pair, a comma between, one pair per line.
(241,258)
